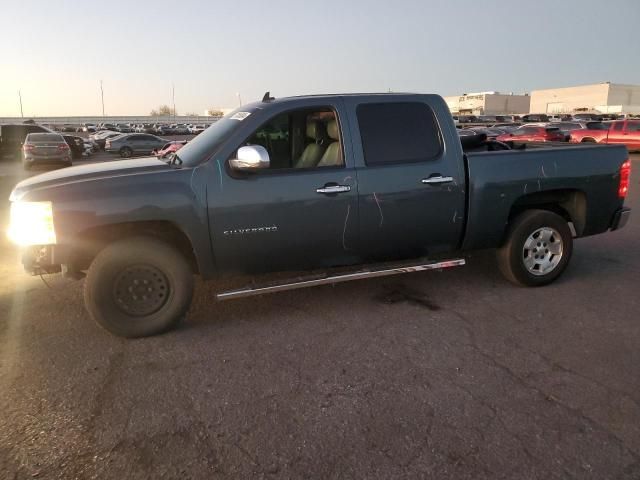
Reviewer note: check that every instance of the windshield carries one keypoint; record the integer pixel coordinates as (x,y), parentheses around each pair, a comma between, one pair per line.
(199,148)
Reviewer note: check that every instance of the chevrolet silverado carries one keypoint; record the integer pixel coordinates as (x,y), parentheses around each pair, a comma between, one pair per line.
(339,187)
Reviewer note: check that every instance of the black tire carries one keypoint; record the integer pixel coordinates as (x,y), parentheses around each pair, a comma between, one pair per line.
(126,152)
(514,255)
(588,140)
(138,287)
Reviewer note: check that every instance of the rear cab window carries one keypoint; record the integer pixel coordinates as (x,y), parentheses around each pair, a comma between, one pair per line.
(399,132)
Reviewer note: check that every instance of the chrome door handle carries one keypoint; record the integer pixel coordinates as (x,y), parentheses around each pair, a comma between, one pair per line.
(334,189)
(437,180)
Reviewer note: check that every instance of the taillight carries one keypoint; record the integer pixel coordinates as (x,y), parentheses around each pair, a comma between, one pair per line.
(28,147)
(625,175)
(63,147)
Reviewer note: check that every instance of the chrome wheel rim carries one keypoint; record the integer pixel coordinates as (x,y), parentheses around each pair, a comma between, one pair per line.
(140,290)
(542,251)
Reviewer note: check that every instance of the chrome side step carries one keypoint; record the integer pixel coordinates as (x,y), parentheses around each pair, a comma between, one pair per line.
(338,278)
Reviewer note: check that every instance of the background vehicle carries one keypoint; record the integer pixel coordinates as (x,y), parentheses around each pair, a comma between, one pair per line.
(619,132)
(567,127)
(124,128)
(89,127)
(76,144)
(491,132)
(101,137)
(197,129)
(272,187)
(587,117)
(127,145)
(13,136)
(169,148)
(533,133)
(181,129)
(535,117)
(45,148)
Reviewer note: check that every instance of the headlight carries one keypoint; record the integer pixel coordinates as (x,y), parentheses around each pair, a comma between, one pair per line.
(31,223)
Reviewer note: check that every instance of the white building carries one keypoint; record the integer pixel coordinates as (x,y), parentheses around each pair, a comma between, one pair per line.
(488,103)
(598,98)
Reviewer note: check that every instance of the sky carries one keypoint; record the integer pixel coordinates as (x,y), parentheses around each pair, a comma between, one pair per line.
(57,52)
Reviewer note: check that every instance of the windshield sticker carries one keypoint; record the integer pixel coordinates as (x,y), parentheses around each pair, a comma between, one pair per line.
(240,115)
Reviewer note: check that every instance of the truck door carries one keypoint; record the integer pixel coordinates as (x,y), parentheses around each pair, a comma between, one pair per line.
(411,185)
(299,213)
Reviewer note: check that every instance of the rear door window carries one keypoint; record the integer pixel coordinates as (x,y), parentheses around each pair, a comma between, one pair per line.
(633,126)
(402,132)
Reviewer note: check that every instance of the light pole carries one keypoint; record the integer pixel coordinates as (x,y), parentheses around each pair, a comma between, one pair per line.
(102,98)
(173,99)
(239,98)
(20,98)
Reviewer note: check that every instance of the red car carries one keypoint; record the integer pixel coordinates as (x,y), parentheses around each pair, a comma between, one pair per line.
(169,148)
(620,132)
(533,133)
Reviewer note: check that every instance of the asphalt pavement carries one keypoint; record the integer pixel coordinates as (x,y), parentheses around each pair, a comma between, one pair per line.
(446,375)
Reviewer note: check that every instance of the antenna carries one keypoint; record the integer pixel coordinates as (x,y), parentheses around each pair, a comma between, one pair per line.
(267,97)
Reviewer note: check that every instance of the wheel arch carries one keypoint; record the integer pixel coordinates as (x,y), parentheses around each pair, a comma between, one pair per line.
(90,242)
(570,204)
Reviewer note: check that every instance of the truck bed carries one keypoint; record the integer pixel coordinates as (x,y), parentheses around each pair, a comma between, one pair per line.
(500,182)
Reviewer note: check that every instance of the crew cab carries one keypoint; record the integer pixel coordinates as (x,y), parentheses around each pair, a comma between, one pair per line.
(343,186)
(620,132)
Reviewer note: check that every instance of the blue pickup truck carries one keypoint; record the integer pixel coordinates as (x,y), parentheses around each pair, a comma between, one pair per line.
(332,187)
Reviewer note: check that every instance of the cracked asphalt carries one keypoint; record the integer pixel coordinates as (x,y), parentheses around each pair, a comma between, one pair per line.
(445,375)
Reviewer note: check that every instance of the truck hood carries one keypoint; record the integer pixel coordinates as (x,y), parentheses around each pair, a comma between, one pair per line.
(92,171)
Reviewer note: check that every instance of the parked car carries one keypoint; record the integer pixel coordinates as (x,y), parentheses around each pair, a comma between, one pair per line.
(535,117)
(492,133)
(76,144)
(164,130)
(401,189)
(169,148)
(620,132)
(130,144)
(89,147)
(181,129)
(467,119)
(101,138)
(567,127)
(197,129)
(12,136)
(587,117)
(124,128)
(532,133)
(89,128)
(45,148)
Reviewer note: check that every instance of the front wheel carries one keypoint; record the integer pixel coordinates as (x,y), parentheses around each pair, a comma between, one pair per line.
(126,152)
(138,287)
(537,249)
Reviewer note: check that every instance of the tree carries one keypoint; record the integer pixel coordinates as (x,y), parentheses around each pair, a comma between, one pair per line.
(163,110)
(215,112)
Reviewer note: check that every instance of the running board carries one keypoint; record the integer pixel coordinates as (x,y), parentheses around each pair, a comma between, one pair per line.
(339,278)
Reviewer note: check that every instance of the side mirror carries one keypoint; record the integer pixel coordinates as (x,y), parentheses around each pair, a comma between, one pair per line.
(250,158)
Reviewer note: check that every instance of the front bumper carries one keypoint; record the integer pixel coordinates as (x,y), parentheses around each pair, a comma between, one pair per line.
(43,259)
(620,218)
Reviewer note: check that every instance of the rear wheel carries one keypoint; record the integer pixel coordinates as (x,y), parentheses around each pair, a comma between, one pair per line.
(126,152)
(138,287)
(537,250)
(588,140)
